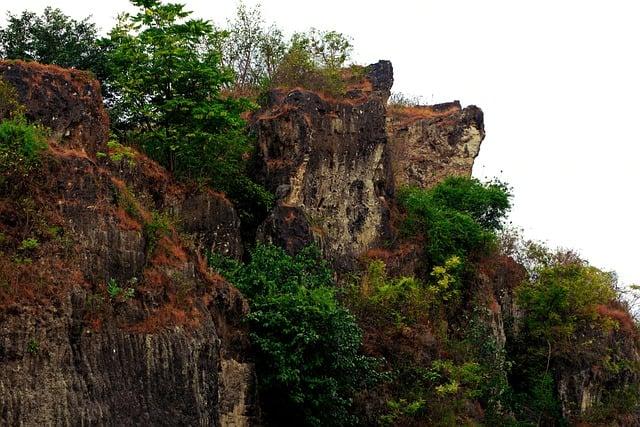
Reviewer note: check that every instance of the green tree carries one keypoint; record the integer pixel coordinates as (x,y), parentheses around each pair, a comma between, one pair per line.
(309,364)
(458,216)
(52,38)
(314,60)
(561,325)
(169,77)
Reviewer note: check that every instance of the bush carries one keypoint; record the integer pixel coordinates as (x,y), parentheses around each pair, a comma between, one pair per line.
(154,229)
(458,216)
(261,58)
(118,293)
(21,147)
(402,301)
(29,245)
(309,362)
(314,61)
(564,323)
(560,297)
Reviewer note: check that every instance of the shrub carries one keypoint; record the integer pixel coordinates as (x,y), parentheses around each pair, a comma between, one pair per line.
(170,101)
(314,61)
(158,226)
(564,322)
(21,147)
(402,301)
(458,216)
(309,364)
(118,152)
(33,346)
(116,292)
(562,296)
(29,245)
(261,58)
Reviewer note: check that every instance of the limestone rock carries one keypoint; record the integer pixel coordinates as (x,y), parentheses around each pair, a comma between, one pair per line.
(429,143)
(328,161)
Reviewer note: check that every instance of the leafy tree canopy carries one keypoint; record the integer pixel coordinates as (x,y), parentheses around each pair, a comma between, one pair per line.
(168,77)
(52,38)
(458,216)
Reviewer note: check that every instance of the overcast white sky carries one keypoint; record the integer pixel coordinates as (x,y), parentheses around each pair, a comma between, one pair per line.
(559,83)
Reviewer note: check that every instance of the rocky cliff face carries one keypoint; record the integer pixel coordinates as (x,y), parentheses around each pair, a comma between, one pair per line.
(429,143)
(74,349)
(328,163)
(334,164)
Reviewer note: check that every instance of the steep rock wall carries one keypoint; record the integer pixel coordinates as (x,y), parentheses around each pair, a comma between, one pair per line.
(327,162)
(176,351)
(334,164)
(429,143)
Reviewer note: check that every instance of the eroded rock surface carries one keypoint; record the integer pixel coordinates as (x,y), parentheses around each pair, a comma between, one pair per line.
(327,162)
(174,351)
(429,143)
(334,164)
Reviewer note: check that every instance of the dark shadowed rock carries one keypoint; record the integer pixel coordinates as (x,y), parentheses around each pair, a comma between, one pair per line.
(64,100)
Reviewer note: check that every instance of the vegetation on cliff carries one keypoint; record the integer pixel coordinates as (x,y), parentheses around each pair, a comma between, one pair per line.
(448,322)
(308,345)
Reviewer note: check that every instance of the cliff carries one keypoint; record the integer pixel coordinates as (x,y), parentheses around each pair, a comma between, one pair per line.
(74,351)
(334,164)
(112,316)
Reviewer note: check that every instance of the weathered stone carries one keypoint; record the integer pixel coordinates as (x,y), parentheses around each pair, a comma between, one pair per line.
(174,353)
(66,101)
(328,160)
(429,143)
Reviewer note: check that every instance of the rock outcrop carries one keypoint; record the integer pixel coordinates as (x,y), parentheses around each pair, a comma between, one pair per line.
(113,317)
(429,143)
(334,164)
(327,162)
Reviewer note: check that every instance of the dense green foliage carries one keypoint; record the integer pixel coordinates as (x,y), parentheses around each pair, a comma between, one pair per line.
(10,106)
(178,88)
(169,82)
(430,390)
(403,300)
(309,360)
(52,38)
(21,146)
(458,216)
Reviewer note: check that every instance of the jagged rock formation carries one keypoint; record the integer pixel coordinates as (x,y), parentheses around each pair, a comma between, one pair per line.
(429,143)
(334,164)
(176,352)
(328,163)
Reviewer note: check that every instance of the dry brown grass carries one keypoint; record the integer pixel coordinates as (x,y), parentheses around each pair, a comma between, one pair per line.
(621,316)
(125,221)
(169,315)
(169,252)
(403,116)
